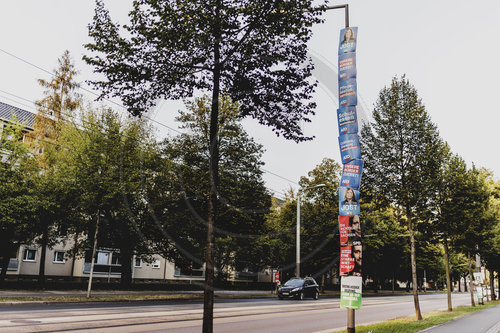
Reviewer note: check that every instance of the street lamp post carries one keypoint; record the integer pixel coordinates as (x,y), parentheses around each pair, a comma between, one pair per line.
(297,248)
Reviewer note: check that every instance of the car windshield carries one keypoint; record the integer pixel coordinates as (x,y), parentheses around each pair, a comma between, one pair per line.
(294,283)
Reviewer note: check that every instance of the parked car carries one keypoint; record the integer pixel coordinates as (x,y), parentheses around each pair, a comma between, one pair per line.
(299,288)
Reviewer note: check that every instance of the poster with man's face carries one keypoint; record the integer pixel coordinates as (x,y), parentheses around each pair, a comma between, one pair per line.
(351,260)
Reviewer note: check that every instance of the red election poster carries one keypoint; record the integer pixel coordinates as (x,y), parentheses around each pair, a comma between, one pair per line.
(351,260)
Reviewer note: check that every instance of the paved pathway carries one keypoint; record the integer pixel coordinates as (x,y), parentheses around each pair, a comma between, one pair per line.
(485,321)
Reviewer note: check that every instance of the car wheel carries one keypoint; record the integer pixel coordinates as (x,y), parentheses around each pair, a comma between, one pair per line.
(301,296)
(316,295)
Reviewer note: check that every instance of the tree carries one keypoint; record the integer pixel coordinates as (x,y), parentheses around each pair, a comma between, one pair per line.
(319,219)
(255,52)
(56,108)
(108,160)
(243,198)
(16,200)
(452,206)
(403,152)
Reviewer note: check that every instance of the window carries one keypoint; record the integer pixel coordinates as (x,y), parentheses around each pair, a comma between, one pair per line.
(102,258)
(156,263)
(115,259)
(59,257)
(137,262)
(29,255)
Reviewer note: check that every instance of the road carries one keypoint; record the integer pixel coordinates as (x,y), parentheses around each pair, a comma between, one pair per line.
(252,315)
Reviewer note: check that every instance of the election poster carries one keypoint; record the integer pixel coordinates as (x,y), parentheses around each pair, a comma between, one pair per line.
(347,120)
(348,201)
(351,174)
(349,148)
(351,260)
(350,230)
(347,41)
(347,66)
(348,95)
(350,292)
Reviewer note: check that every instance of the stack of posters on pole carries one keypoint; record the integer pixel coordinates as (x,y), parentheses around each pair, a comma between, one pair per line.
(349,210)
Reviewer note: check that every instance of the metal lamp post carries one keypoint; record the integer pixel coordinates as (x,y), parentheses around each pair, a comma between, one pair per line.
(297,262)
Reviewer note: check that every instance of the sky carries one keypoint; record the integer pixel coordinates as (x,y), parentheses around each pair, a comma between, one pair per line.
(448,50)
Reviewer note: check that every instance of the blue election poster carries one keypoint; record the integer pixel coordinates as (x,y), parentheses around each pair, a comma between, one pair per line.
(347,42)
(348,93)
(347,115)
(349,148)
(351,174)
(348,201)
(347,66)
(349,129)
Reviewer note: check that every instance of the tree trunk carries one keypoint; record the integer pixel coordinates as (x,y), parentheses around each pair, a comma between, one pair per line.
(471,278)
(4,264)
(492,285)
(448,280)
(43,254)
(126,269)
(414,268)
(208,302)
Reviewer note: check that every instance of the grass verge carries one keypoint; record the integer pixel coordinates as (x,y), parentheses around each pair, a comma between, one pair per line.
(411,325)
(120,298)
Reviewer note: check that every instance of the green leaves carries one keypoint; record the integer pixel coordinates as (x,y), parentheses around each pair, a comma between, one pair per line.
(170,49)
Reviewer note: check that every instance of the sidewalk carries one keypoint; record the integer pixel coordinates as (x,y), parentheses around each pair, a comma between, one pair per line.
(485,321)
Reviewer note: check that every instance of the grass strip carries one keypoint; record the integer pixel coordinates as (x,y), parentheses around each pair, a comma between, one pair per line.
(411,325)
(121,298)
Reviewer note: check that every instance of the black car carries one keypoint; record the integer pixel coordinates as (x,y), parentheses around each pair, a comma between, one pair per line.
(299,288)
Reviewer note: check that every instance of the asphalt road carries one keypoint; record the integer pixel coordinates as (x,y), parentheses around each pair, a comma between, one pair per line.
(252,315)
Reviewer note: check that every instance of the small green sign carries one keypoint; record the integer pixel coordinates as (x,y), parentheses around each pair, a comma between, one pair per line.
(350,292)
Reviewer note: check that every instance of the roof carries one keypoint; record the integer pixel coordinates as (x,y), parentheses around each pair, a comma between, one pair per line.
(23,116)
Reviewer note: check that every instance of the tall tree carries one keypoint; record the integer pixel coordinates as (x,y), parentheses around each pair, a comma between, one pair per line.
(59,102)
(243,198)
(256,52)
(403,155)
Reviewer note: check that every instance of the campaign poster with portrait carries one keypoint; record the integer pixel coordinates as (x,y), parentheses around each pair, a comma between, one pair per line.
(348,201)
(349,148)
(351,292)
(351,260)
(347,66)
(351,174)
(350,230)
(348,95)
(347,40)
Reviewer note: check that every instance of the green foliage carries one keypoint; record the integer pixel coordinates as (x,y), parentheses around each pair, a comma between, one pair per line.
(108,163)
(255,52)
(243,200)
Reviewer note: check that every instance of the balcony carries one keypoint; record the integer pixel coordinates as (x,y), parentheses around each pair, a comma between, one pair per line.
(103,269)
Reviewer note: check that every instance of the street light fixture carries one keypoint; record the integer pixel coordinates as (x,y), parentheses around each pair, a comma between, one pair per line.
(297,262)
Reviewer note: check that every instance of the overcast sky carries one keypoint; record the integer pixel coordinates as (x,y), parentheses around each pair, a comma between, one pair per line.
(449,51)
